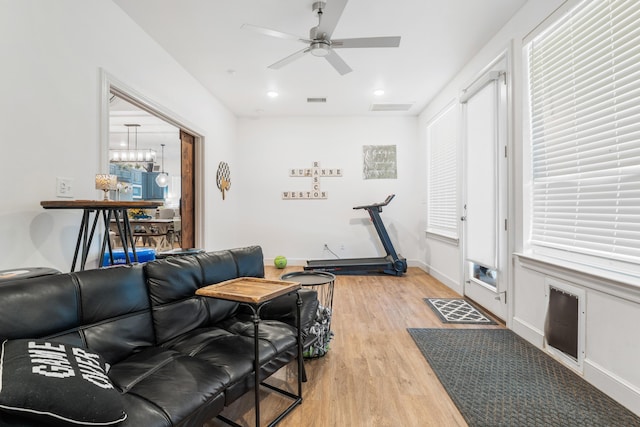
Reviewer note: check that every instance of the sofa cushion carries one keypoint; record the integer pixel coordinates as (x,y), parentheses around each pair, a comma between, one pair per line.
(249,261)
(279,335)
(57,384)
(116,313)
(176,385)
(233,352)
(218,347)
(217,267)
(172,279)
(172,284)
(53,305)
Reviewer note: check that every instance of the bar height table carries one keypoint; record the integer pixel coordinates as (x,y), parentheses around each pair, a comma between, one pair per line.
(108,210)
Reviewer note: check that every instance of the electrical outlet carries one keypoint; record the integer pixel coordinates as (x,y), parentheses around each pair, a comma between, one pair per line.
(64,187)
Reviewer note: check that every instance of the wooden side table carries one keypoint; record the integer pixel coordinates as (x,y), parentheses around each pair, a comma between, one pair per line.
(256,293)
(109,210)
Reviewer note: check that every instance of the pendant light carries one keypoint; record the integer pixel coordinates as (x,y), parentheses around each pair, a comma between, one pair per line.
(163,178)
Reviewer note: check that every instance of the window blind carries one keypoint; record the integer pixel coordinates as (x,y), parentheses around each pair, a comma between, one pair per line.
(584,82)
(442,140)
(481,198)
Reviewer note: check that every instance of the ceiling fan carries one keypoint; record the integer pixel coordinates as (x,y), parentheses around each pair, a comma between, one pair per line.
(320,42)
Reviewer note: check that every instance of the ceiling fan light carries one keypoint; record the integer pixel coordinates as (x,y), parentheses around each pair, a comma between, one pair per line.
(319,49)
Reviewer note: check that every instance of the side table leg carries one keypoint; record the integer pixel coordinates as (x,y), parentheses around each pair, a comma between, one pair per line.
(256,365)
(301,373)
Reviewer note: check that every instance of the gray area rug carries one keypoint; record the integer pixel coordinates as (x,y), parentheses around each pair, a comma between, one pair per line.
(497,378)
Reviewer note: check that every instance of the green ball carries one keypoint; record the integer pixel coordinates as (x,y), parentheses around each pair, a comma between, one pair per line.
(280,261)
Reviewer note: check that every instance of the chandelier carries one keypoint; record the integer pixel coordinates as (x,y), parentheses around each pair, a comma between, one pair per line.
(132,155)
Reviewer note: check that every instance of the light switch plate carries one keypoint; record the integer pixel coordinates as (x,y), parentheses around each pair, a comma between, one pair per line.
(64,187)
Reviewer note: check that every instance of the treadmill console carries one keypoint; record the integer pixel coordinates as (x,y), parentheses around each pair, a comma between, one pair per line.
(377,205)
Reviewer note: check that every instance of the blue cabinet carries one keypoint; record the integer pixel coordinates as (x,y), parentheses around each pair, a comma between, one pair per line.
(123,174)
(136,176)
(151,190)
(143,184)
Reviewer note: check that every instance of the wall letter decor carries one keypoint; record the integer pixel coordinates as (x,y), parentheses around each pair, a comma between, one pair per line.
(315,173)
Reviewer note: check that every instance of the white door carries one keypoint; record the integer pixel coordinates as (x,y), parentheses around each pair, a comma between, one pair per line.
(485,194)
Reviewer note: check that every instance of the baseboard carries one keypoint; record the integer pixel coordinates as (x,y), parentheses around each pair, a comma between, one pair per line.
(448,281)
(528,332)
(614,386)
(419,264)
(292,262)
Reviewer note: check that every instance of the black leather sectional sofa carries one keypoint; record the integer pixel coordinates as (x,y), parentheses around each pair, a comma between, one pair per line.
(173,358)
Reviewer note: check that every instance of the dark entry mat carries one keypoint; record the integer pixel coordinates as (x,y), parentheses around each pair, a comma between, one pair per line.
(497,378)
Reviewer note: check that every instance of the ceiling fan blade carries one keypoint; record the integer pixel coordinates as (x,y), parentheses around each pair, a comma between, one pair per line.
(289,59)
(338,63)
(274,33)
(330,16)
(366,42)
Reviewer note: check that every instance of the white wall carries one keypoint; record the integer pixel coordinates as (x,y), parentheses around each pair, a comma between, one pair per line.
(49,113)
(299,228)
(612,306)
(443,259)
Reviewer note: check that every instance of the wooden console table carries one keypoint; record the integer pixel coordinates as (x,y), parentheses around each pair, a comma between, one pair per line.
(256,293)
(109,210)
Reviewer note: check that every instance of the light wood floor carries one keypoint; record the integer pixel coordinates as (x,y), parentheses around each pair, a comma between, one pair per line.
(373,375)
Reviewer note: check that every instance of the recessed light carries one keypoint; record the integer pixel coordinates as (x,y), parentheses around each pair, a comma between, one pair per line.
(378,92)
(272,94)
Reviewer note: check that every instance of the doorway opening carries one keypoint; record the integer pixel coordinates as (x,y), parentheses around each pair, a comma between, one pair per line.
(155,157)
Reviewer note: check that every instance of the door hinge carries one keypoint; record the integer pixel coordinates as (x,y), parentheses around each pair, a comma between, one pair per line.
(505,224)
(505,151)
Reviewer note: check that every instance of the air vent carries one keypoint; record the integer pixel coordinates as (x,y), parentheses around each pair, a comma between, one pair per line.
(391,107)
(320,100)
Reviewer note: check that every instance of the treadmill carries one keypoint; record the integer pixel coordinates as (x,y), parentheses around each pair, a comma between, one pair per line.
(392,263)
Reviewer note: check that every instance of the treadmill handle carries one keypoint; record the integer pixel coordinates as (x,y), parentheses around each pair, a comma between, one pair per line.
(377,205)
